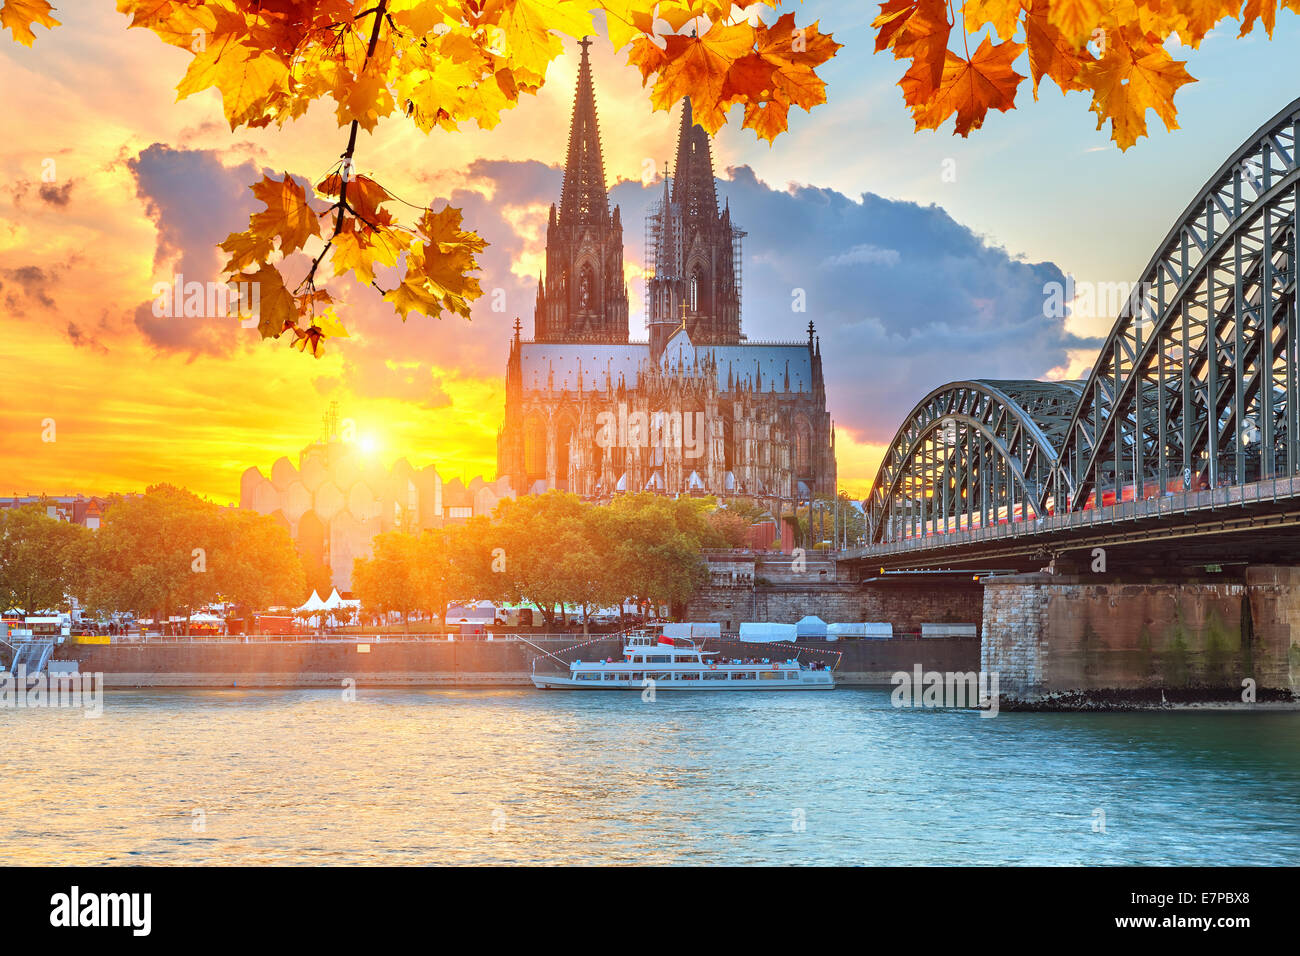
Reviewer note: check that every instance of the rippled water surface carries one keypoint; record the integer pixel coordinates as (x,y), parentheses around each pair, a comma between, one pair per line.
(521,776)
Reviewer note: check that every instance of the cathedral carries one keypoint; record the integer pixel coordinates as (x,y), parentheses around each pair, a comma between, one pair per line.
(696,409)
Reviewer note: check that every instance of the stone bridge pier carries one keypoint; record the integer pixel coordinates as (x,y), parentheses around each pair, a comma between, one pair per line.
(1079,640)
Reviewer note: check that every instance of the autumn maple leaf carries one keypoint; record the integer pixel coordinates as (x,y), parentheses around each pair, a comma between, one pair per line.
(19,15)
(1134,75)
(969,88)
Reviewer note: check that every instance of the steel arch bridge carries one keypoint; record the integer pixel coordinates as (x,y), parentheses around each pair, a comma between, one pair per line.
(1194,389)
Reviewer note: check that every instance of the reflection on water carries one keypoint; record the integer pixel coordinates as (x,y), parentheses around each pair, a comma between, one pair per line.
(520,776)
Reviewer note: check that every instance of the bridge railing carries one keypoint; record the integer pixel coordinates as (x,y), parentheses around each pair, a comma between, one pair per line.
(1269,490)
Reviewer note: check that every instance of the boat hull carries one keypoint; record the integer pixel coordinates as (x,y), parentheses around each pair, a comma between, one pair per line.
(558,682)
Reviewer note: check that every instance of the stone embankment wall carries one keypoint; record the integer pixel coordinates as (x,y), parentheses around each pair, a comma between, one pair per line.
(501,663)
(783,590)
(1056,635)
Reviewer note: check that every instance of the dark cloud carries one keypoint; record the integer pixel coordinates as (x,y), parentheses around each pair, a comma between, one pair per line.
(56,195)
(34,283)
(904,298)
(82,339)
(195,202)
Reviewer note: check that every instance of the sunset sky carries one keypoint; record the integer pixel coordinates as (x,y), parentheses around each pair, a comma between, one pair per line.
(912,280)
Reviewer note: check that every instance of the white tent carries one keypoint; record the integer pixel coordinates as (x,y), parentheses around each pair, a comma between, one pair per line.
(873,630)
(314,603)
(333,602)
(766,632)
(811,626)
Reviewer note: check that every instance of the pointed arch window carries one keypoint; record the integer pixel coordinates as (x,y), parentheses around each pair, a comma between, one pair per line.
(698,291)
(587,292)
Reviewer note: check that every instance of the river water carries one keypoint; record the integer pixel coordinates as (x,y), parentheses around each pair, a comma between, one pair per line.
(522,776)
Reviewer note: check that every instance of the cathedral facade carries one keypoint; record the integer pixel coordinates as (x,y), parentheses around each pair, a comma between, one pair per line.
(696,409)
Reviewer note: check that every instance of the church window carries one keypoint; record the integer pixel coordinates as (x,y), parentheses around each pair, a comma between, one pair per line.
(535,449)
(802,446)
(587,288)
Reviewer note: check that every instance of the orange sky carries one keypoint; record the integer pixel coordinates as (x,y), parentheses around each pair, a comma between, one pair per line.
(126,414)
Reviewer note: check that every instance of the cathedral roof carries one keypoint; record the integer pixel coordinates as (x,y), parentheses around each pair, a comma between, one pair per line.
(755,366)
(567,366)
(564,365)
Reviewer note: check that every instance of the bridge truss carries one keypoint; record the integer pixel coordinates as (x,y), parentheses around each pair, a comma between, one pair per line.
(1196,386)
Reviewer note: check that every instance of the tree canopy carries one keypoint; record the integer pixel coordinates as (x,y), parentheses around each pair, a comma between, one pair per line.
(170,551)
(39,559)
(548,550)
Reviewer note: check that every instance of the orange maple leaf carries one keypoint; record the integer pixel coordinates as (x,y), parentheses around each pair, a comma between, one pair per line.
(917,30)
(969,88)
(19,15)
(1134,75)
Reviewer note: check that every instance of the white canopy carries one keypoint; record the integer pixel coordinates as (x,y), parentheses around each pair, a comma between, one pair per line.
(314,603)
(811,626)
(693,630)
(766,632)
(333,602)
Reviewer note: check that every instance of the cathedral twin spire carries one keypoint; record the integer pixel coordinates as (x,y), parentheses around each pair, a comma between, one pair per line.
(582,297)
(583,198)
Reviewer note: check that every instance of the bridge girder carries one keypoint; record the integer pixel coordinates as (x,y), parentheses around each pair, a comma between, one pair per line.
(1197,383)
(984,447)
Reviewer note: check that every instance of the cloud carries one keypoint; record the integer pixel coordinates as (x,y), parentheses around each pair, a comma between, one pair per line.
(897,290)
(32,283)
(194,202)
(56,195)
(904,298)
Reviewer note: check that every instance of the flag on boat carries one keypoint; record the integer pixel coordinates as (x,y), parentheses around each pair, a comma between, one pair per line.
(665,639)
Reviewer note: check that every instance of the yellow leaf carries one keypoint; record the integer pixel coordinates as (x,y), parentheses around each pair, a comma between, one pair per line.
(1136,74)
(287,215)
(19,15)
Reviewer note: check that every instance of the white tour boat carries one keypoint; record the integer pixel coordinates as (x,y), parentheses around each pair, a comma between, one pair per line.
(655,660)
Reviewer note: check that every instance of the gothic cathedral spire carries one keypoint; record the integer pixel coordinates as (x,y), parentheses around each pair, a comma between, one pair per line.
(583,297)
(695,281)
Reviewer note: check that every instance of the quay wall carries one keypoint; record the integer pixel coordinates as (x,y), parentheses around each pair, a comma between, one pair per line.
(502,663)
(1085,643)
(906,604)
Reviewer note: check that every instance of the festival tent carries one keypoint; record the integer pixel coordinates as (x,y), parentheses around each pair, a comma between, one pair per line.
(314,604)
(869,630)
(766,632)
(810,626)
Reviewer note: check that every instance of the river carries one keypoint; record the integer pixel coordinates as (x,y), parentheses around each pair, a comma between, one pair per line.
(521,776)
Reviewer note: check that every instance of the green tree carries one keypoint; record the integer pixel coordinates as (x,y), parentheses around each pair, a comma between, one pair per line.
(256,564)
(40,559)
(153,554)
(388,581)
